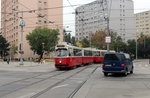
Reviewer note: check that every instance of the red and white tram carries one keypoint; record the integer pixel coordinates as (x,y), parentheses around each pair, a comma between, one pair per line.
(68,56)
(98,55)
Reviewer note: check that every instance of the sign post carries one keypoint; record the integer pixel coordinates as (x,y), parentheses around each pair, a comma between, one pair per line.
(108,41)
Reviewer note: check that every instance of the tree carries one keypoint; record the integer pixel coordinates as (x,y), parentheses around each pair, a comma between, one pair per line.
(43,40)
(4,47)
(79,43)
(98,39)
(73,40)
(13,50)
(85,43)
(131,47)
(67,37)
(144,46)
(118,45)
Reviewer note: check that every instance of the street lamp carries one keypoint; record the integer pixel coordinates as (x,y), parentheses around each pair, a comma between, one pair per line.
(21,24)
(136,51)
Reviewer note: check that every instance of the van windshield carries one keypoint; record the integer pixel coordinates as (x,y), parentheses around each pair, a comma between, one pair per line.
(114,57)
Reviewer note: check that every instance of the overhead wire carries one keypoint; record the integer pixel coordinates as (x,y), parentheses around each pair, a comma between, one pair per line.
(59,7)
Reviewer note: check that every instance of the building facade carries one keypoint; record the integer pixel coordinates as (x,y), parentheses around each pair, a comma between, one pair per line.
(143,23)
(35,13)
(93,17)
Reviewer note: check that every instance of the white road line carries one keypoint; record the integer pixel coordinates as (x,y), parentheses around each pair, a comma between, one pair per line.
(60,86)
(27,95)
(146,65)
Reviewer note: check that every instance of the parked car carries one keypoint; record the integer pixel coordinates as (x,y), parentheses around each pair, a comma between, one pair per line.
(117,63)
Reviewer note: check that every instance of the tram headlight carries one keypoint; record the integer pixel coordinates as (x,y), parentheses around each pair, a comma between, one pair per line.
(60,60)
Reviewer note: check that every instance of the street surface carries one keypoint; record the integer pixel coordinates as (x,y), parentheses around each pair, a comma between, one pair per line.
(33,80)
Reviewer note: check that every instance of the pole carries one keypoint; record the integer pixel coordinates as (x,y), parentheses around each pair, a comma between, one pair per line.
(21,24)
(108,48)
(136,48)
(21,47)
(108,33)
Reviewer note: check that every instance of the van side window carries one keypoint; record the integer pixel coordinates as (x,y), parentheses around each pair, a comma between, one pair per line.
(122,57)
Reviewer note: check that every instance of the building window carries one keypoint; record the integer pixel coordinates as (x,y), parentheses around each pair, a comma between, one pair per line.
(45,3)
(39,2)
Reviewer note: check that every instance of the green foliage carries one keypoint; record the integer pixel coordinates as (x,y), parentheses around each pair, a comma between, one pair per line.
(118,45)
(131,47)
(4,47)
(13,50)
(143,46)
(43,35)
(73,40)
(85,43)
(68,38)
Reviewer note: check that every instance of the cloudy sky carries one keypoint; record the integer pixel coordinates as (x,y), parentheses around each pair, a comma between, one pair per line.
(139,6)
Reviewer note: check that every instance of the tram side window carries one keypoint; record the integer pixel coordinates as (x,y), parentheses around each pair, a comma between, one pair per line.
(87,53)
(103,53)
(70,52)
(77,52)
(96,53)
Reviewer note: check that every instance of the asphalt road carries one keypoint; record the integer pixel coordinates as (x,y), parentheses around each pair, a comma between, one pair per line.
(44,81)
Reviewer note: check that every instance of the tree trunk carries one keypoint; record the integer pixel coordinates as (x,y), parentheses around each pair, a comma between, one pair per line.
(41,56)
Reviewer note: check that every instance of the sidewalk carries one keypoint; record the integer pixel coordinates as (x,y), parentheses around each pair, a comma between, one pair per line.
(27,67)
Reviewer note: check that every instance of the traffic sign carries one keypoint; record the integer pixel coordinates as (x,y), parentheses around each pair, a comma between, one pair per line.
(108,39)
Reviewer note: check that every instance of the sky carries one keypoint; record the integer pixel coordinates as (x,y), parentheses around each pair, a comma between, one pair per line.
(139,6)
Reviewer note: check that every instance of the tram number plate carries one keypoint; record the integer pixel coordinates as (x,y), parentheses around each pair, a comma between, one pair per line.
(108,65)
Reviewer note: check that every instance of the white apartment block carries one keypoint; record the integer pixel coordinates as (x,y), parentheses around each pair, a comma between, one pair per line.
(143,23)
(90,18)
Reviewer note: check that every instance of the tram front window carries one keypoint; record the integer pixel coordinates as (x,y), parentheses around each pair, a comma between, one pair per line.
(61,52)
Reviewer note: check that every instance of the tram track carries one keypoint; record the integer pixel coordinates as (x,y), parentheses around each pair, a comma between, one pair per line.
(40,80)
(57,83)
(27,78)
(11,83)
(78,88)
(63,80)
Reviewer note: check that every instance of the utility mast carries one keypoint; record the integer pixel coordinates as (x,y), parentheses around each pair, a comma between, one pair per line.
(106,14)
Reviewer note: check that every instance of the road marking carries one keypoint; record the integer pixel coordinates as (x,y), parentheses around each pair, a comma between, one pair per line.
(60,86)
(79,81)
(28,95)
(146,65)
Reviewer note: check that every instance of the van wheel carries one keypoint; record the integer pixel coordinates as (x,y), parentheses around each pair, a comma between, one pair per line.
(105,74)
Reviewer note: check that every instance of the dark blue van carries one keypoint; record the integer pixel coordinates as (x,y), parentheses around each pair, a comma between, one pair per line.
(117,63)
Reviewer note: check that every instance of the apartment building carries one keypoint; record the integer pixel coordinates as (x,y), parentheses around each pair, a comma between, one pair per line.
(35,13)
(92,17)
(143,23)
